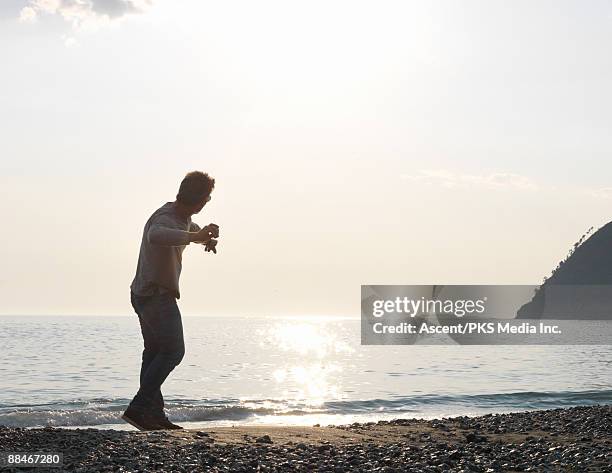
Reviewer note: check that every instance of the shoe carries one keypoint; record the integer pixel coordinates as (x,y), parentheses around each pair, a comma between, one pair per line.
(141,420)
(165,423)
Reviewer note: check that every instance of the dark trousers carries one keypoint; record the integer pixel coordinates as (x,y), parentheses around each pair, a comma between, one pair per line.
(164,347)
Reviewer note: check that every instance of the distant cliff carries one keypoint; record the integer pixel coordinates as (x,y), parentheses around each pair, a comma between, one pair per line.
(581,285)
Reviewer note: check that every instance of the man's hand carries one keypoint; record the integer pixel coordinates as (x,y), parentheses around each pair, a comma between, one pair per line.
(205,234)
(211,245)
(213,229)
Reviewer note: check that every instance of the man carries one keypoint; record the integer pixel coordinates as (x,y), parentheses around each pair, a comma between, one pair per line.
(154,292)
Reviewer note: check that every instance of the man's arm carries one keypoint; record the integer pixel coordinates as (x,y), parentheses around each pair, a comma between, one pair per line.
(163,235)
(167,236)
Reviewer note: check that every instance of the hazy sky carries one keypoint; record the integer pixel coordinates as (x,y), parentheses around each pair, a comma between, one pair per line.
(352,142)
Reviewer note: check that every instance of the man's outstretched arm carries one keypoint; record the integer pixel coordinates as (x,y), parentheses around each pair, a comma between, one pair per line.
(162,235)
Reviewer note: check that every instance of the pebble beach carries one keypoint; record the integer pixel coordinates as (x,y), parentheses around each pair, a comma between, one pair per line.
(560,440)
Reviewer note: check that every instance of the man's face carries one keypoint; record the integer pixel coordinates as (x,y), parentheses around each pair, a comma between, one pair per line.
(200,205)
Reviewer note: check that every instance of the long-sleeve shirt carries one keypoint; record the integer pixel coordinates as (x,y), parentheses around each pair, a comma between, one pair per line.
(165,236)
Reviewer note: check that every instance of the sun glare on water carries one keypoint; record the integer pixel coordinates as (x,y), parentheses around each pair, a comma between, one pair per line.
(314,339)
(310,373)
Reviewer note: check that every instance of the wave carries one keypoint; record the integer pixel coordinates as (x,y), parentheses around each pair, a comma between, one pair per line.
(97,412)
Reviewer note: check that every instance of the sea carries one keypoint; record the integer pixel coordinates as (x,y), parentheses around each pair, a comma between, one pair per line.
(78,372)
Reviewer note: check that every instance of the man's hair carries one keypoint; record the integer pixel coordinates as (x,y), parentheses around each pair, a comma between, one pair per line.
(195,186)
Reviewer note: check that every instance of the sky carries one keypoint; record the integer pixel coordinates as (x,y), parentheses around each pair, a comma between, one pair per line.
(391,142)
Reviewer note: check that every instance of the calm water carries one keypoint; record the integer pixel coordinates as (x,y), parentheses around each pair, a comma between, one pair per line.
(82,371)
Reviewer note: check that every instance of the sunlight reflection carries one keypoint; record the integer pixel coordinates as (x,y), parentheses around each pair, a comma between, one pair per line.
(315,380)
(311,383)
(305,338)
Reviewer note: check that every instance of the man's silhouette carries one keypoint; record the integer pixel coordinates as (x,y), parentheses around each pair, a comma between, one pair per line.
(155,290)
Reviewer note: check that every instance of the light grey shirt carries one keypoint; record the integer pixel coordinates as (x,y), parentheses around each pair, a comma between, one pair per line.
(164,238)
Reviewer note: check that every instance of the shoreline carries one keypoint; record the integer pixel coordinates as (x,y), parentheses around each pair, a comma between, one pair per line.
(569,439)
